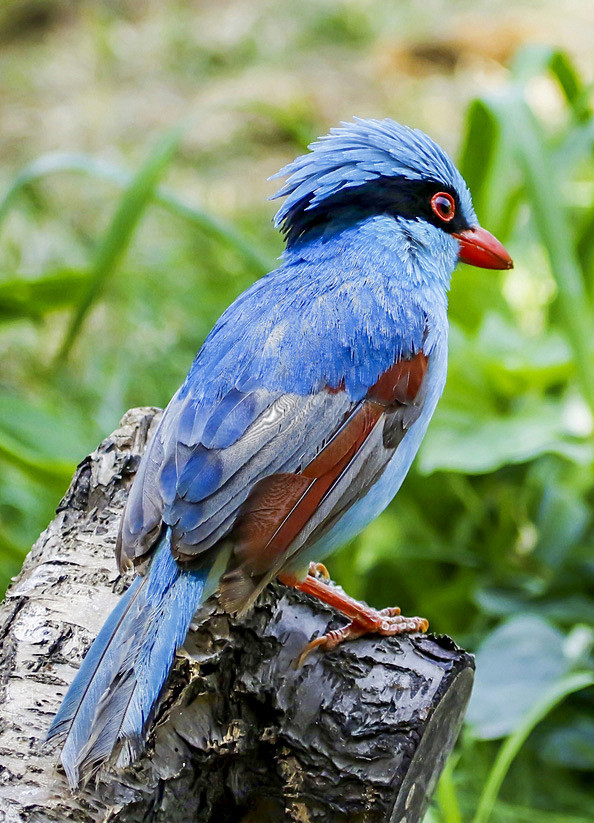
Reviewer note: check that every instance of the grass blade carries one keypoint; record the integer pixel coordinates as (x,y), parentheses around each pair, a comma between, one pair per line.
(553,226)
(482,134)
(585,243)
(216,228)
(53,163)
(485,165)
(32,298)
(539,59)
(556,236)
(446,793)
(509,749)
(119,233)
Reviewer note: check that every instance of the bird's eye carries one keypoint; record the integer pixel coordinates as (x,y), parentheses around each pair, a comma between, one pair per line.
(443,206)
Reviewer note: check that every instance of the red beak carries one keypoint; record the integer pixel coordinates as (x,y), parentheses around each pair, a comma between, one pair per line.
(478,247)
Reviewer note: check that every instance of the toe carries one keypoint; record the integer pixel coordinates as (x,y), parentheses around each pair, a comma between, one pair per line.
(391,611)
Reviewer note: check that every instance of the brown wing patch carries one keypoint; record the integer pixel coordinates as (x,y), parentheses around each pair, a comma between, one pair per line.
(401,383)
(279,506)
(270,504)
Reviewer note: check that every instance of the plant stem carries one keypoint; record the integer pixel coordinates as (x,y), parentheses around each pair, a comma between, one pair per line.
(215,227)
(446,794)
(119,233)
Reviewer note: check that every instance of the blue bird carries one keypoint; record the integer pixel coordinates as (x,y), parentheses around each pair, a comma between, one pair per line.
(297,423)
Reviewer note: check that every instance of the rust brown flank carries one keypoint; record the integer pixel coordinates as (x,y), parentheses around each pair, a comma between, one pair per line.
(280,505)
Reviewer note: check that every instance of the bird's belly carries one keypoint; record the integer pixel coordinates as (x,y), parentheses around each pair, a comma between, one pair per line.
(365,510)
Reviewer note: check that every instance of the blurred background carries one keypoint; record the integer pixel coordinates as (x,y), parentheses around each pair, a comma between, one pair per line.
(124,235)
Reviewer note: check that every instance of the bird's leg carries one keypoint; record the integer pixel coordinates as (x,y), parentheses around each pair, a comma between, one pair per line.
(364,619)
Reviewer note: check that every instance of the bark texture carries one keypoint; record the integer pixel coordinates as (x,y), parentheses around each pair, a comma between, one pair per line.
(359,734)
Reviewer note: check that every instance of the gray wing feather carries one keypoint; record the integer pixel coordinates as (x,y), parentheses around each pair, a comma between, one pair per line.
(195,480)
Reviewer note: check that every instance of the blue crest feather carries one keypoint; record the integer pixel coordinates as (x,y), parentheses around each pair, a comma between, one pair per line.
(359,152)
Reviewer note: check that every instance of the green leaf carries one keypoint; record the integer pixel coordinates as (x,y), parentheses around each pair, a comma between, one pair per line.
(508,813)
(515,666)
(570,746)
(515,362)
(562,520)
(564,611)
(475,443)
(471,295)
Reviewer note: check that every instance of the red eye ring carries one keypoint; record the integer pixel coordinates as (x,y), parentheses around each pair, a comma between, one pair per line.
(443,206)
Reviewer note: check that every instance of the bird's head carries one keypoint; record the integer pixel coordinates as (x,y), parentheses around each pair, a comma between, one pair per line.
(378,167)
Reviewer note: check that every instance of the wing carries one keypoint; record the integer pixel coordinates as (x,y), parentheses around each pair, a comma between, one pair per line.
(205,458)
(285,513)
(270,471)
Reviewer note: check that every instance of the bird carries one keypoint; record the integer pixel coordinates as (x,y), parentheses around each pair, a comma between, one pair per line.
(296,424)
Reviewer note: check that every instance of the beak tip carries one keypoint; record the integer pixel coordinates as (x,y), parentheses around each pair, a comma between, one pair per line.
(506,261)
(478,247)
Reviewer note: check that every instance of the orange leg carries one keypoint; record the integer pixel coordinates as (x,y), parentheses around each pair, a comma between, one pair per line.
(364,619)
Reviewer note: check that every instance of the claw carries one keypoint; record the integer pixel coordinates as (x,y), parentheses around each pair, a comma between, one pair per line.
(331,640)
(363,619)
(391,611)
(388,627)
(319,570)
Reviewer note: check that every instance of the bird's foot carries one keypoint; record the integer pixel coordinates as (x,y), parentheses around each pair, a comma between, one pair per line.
(364,619)
(389,622)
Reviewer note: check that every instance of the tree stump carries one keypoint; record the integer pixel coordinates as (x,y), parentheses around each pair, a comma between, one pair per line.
(358,734)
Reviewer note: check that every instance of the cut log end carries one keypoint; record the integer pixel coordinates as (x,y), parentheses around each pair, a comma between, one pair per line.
(358,734)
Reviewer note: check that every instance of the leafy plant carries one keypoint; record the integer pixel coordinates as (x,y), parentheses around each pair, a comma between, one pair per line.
(524,667)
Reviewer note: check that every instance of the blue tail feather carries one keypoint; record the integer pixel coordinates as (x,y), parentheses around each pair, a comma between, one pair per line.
(121,677)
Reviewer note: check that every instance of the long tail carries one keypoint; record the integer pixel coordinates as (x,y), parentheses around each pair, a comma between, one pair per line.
(113,694)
